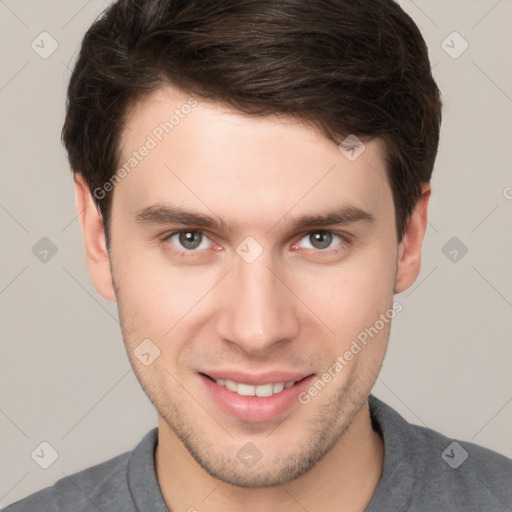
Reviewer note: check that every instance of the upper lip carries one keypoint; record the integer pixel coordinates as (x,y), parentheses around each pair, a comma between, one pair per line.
(256,379)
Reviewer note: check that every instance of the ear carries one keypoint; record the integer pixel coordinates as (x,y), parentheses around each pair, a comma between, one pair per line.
(409,251)
(98,260)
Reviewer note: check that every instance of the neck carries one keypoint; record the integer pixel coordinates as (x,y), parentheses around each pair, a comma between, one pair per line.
(344,479)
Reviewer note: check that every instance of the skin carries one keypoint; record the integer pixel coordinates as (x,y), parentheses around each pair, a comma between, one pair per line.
(296,307)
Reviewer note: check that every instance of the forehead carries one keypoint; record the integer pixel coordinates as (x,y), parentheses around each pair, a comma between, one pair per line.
(199,154)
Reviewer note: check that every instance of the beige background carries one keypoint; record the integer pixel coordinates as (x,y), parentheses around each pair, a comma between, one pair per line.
(64,376)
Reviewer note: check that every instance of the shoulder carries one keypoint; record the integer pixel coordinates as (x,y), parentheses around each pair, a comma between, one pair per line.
(101,487)
(474,476)
(431,471)
(79,491)
(461,474)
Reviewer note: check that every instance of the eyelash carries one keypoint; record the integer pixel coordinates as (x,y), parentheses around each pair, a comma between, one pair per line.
(345,241)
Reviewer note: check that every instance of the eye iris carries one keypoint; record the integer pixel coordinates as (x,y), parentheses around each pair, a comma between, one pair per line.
(190,239)
(320,239)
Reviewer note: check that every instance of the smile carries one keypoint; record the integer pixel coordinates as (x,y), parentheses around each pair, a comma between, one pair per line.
(252,390)
(265,398)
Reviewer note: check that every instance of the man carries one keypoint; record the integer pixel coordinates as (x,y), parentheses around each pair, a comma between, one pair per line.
(252,178)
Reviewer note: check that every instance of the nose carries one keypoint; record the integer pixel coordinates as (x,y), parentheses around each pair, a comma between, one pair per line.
(257,308)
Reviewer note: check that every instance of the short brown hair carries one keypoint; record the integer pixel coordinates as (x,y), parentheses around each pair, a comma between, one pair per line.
(349,66)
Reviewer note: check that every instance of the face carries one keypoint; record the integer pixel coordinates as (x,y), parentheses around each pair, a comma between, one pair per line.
(248,254)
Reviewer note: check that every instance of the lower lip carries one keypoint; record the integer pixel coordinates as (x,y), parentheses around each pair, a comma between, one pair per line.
(255,408)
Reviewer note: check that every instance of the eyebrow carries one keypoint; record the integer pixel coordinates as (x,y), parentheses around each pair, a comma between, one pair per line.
(343,215)
(160,214)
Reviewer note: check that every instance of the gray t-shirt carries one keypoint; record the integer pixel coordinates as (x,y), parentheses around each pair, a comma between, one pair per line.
(423,471)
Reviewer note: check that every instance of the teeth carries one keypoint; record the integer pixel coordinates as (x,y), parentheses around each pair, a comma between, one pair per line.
(277,388)
(232,386)
(245,389)
(262,390)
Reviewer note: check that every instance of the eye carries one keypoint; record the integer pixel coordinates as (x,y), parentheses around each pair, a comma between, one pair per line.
(320,240)
(190,240)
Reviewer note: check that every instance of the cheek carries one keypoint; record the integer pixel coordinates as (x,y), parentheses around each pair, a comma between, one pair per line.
(155,297)
(159,299)
(351,296)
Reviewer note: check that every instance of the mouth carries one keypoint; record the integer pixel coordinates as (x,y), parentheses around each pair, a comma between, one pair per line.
(261,390)
(255,399)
